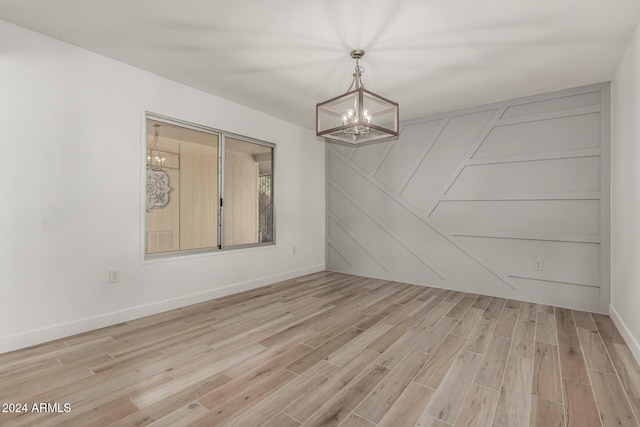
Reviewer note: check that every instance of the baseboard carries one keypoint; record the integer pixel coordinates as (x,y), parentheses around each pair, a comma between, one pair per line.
(50,333)
(632,343)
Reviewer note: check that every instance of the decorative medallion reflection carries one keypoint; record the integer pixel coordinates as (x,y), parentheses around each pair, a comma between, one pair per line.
(158,188)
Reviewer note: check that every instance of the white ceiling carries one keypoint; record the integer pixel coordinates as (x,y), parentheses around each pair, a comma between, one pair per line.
(284,56)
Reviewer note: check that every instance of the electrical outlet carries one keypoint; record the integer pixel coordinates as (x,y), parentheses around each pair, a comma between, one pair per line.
(538,265)
(114,275)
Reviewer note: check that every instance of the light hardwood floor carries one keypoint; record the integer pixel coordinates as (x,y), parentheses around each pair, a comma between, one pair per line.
(331,349)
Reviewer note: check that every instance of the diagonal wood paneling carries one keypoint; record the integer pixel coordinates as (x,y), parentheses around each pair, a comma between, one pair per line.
(435,245)
(387,247)
(392,167)
(461,133)
(469,200)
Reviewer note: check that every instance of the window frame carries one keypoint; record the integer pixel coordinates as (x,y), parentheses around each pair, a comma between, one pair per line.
(222,135)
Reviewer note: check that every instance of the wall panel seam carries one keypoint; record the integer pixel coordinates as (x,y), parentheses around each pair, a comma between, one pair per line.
(535,157)
(550,115)
(332,244)
(519,235)
(479,140)
(384,154)
(423,154)
(386,267)
(389,230)
(558,278)
(579,195)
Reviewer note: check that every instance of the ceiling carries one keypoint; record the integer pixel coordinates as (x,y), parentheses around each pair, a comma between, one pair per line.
(284,56)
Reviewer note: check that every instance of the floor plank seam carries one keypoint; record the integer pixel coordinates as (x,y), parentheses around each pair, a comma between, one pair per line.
(617,374)
(582,348)
(493,418)
(564,404)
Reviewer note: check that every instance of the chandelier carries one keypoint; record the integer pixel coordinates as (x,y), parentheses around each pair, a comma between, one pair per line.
(357,116)
(155,156)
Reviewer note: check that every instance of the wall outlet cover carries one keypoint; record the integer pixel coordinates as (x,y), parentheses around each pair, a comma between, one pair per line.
(114,275)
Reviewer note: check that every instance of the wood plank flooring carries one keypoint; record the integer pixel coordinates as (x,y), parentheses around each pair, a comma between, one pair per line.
(331,349)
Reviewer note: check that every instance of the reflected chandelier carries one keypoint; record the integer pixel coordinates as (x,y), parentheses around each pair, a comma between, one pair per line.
(357,116)
(155,156)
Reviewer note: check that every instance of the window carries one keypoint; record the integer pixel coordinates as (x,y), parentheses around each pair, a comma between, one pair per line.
(206,189)
(247,202)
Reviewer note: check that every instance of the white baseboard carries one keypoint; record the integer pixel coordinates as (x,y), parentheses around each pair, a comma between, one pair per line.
(631,341)
(50,333)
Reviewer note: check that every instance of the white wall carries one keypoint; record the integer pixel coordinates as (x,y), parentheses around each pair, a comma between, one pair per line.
(71,171)
(625,219)
(469,200)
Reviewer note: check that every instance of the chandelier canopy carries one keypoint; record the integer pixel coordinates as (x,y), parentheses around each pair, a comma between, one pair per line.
(357,116)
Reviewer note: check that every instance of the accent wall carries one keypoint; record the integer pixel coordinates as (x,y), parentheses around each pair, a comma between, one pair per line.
(508,199)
